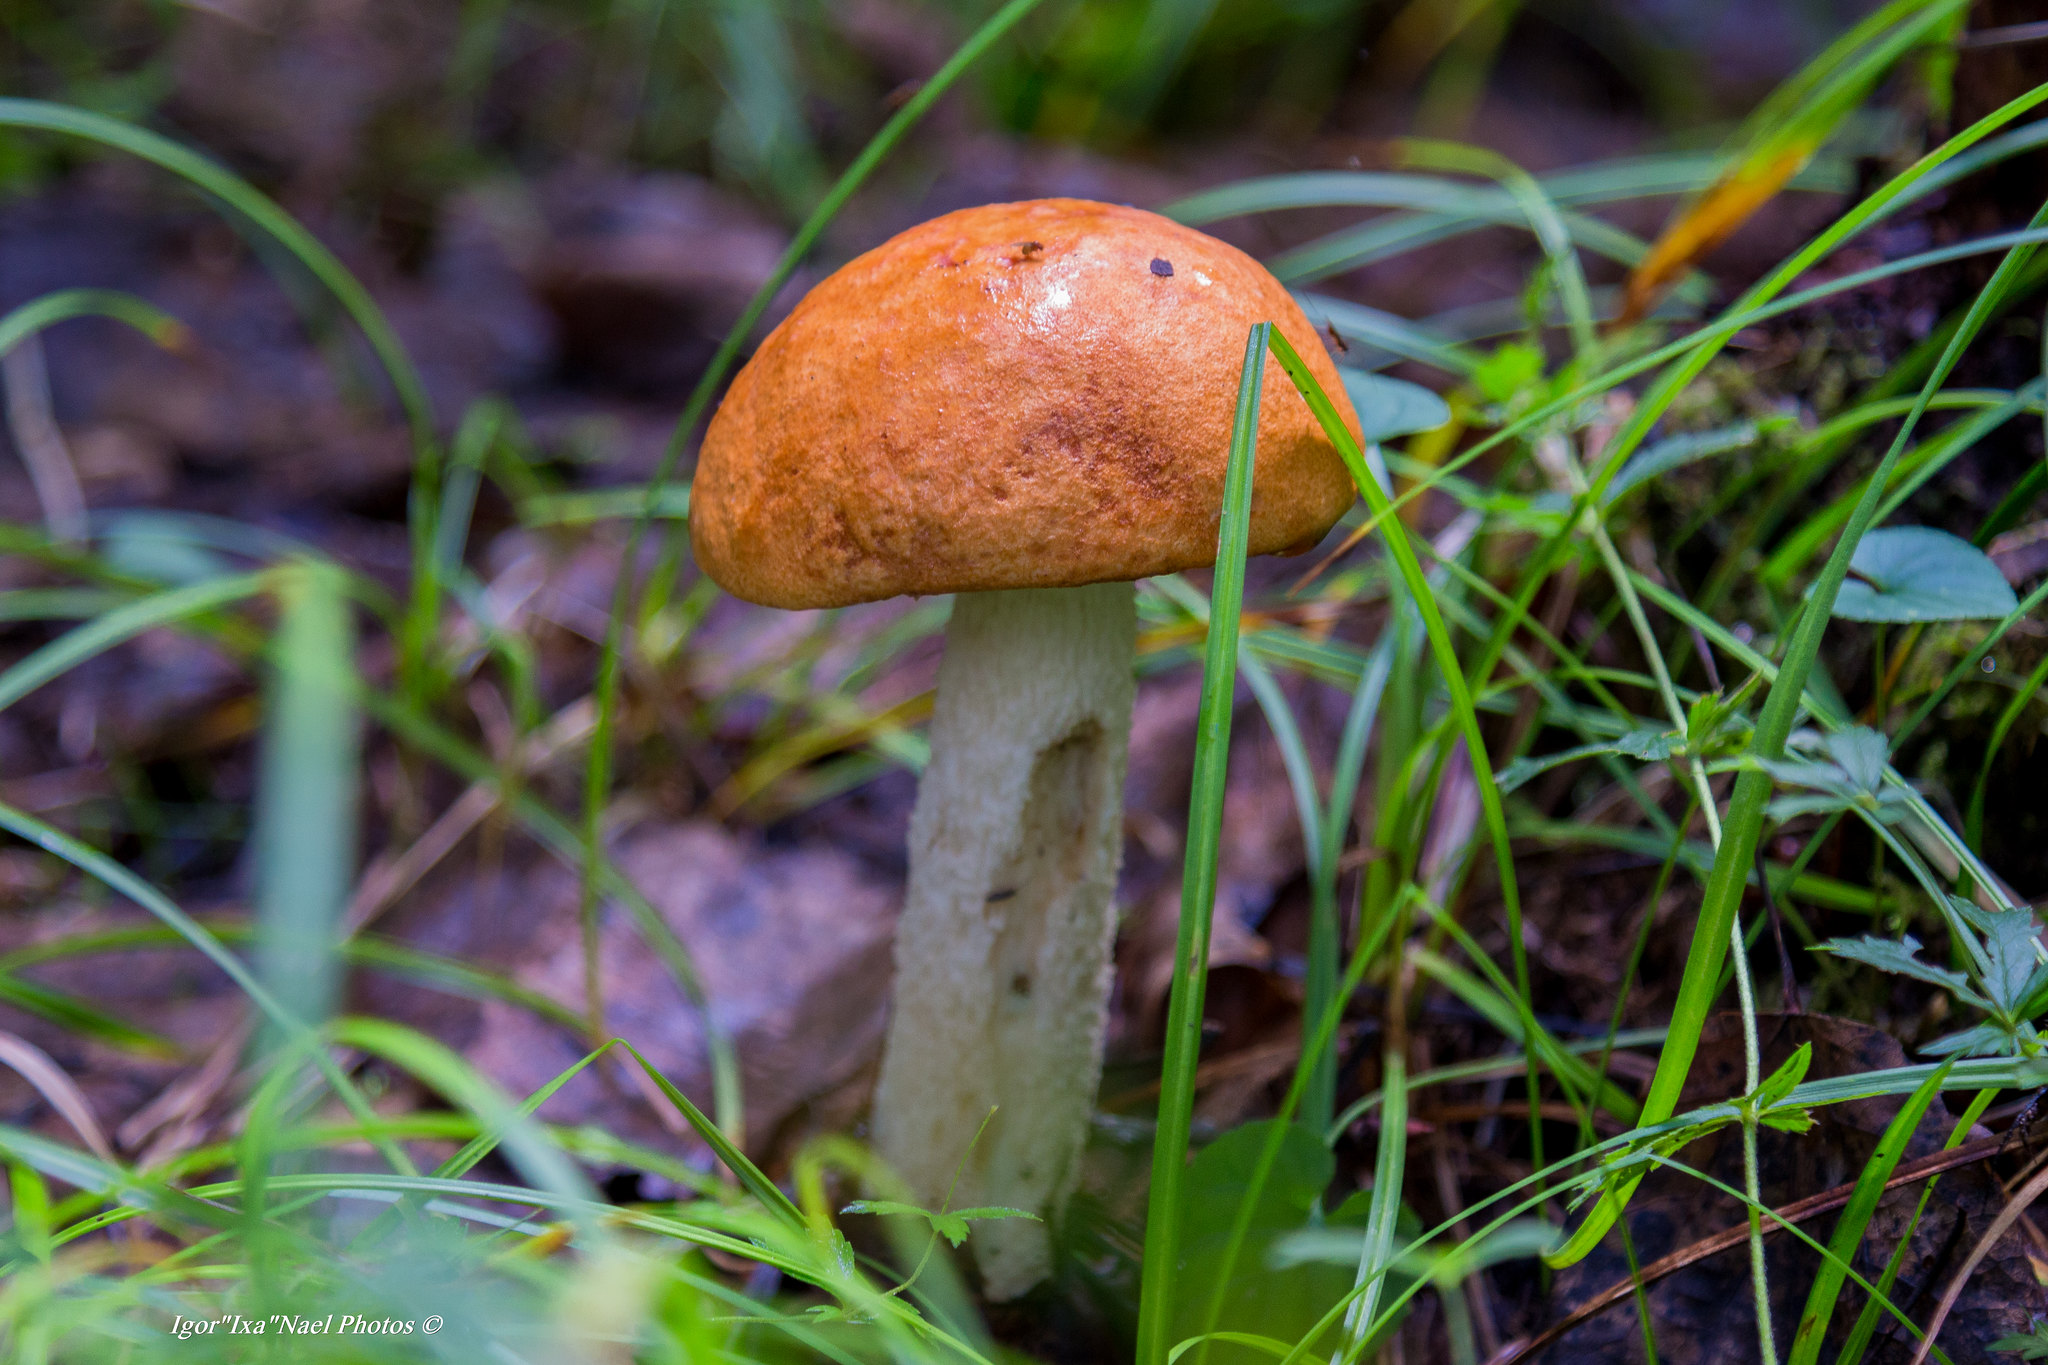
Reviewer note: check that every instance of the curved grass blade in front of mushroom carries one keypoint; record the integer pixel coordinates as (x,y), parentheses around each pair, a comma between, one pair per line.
(1198,875)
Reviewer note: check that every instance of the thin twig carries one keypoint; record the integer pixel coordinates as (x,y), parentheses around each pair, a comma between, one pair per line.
(2007,1216)
(63,1094)
(1788,989)
(2034,32)
(39,441)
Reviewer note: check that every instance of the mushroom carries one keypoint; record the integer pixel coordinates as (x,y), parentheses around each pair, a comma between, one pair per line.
(1029,406)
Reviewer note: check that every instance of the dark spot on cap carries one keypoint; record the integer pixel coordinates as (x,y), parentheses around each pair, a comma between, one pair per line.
(1161,266)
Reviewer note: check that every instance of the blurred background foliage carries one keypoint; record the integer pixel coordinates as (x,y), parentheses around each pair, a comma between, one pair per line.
(765,94)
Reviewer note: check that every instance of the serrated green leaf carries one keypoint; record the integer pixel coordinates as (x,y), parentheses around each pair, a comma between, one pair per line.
(1901,959)
(1984,1040)
(1648,744)
(1861,753)
(1700,719)
(1798,1119)
(982,1212)
(1783,808)
(1916,573)
(2012,941)
(2031,1345)
(885,1206)
(1779,1083)
(1671,453)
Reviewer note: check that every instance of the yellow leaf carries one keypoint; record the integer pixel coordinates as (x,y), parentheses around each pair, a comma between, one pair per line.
(1711,219)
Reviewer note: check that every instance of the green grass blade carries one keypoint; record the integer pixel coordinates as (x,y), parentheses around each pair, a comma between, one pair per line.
(1395,536)
(73,1015)
(252,204)
(1389,332)
(1198,875)
(1383,1213)
(245,199)
(1320,994)
(1849,1227)
(145,317)
(753,1177)
(119,625)
(538,1159)
(1301,776)
(307,792)
(451,974)
(602,504)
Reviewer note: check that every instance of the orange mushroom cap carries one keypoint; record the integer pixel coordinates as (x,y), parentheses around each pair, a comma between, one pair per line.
(1020,395)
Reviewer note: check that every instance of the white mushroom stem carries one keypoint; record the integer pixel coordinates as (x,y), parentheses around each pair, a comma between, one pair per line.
(1003,950)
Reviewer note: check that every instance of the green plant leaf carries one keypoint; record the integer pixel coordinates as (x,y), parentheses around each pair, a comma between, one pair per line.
(1797,1119)
(1779,1083)
(1198,883)
(951,1224)
(2031,1345)
(1648,744)
(1392,407)
(308,791)
(1984,1040)
(1677,451)
(1512,369)
(2012,945)
(1902,959)
(1916,573)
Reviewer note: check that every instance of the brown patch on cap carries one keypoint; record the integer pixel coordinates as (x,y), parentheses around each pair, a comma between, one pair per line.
(931,419)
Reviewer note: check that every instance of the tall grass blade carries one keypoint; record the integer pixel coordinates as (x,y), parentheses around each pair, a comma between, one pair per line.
(1855,1218)
(1198,873)
(145,317)
(307,793)
(1320,993)
(1383,1213)
(252,204)
(1463,713)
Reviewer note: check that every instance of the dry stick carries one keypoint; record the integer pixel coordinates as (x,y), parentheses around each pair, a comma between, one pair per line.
(172,1113)
(2007,1216)
(1479,1296)
(39,441)
(1788,990)
(62,1093)
(1798,1211)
